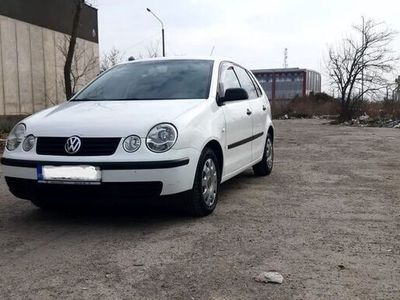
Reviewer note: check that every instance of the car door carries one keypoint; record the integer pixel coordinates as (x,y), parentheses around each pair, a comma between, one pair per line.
(238,123)
(258,108)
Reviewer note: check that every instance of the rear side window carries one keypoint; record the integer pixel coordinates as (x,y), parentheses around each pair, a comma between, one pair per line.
(246,82)
(259,92)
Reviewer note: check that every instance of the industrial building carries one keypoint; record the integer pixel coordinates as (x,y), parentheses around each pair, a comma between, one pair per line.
(285,84)
(34,37)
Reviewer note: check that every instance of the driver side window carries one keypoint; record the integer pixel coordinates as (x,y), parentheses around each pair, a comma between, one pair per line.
(229,80)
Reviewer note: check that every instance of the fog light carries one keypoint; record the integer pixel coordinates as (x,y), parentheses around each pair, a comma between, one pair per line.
(28,143)
(131,143)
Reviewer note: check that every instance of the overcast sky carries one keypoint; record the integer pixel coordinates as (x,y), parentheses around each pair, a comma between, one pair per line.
(251,32)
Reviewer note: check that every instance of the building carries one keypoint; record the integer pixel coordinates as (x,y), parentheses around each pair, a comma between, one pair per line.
(285,84)
(33,45)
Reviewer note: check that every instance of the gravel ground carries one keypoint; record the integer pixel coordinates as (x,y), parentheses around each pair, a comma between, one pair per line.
(328,219)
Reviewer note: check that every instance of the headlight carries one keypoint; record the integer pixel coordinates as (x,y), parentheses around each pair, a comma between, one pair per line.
(15,137)
(28,143)
(161,137)
(131,143)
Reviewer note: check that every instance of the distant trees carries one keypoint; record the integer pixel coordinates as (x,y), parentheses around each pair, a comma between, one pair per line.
(110,59)
(152,51)
(115,56)
(360,64)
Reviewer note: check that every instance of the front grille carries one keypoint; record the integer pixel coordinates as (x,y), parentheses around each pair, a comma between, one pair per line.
(89,146)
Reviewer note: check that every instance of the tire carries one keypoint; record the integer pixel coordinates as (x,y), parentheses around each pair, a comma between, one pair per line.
(200,205)
(264,167)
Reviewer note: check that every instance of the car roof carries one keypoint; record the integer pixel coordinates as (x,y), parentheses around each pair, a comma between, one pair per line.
(212,58)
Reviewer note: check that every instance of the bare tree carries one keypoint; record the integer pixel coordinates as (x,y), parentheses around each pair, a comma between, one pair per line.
(84,63)
(152,50)
(359,66)
(71,48)
(110,59)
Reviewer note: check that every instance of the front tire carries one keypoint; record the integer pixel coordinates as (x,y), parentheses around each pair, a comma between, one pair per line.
(264,167)
(204,195)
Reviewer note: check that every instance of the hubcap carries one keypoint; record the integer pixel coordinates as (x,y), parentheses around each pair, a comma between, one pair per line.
(209,182)
(269,154)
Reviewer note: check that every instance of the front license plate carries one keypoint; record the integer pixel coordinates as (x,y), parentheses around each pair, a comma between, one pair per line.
(69,174)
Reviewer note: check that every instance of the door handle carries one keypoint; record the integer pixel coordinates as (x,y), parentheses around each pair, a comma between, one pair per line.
(248,112)
(264,107)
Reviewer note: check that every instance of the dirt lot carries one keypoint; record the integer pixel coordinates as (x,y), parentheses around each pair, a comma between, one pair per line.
(333,200)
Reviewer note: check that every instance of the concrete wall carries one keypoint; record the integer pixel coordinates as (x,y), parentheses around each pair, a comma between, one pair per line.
(31,66)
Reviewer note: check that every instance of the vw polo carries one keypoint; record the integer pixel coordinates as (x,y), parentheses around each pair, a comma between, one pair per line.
(146,128)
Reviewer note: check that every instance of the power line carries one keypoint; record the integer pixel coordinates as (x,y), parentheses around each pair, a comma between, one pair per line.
(140,42)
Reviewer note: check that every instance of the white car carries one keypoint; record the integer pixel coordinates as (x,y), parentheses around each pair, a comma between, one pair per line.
(145,128)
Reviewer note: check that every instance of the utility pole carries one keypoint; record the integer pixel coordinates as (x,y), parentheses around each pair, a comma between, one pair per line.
(285,57)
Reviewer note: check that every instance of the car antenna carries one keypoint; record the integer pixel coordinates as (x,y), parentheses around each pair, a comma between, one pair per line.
(212,50)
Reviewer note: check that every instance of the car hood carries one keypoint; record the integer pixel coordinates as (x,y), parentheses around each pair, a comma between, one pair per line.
(106,118)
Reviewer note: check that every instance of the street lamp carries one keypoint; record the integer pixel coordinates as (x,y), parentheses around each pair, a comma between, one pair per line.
(162,30)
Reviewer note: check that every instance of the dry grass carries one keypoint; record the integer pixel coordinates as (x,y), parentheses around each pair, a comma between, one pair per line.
(323,105)
(386,109)
(306,107)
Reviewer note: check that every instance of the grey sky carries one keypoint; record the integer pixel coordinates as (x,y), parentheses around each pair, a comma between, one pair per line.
(252,32)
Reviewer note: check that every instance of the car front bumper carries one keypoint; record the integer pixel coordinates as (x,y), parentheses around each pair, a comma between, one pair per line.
(156,178)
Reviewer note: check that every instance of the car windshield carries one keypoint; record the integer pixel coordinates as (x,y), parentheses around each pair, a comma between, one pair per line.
(152,80)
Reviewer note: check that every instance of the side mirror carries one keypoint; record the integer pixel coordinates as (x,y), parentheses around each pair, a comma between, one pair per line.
(234,94)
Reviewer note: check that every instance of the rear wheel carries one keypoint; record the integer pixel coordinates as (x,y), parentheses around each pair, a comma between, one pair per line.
(264,167)
(204,195)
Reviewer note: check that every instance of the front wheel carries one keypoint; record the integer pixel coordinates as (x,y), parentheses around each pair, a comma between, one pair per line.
(204,195)
(264,167)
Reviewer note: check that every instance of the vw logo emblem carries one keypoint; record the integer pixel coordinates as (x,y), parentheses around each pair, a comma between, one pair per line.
(73,145)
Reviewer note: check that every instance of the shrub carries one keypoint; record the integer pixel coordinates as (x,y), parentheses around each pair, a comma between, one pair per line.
(319,104)
(386,109)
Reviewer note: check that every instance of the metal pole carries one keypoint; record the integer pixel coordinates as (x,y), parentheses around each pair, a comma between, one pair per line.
(162,29)
(163,42)
(362,59)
